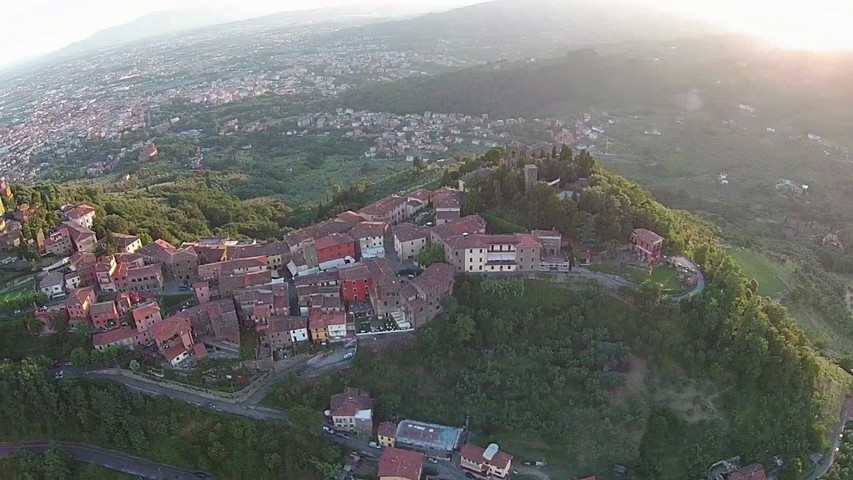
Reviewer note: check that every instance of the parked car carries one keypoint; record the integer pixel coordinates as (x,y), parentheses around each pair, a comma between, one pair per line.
(374,445)
(210,405)
(431,460)
(348,355)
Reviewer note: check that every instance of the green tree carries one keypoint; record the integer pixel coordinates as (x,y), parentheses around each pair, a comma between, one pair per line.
(431,254)
(57,463)
(80,357)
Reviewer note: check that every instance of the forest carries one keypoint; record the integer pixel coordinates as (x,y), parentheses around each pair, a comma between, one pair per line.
(775,393)
(35,406)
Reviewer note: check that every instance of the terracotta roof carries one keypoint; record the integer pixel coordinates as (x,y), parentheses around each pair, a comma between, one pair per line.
(101,308)
(750,472)
(286,323)
(399,463)
(368,229)
(114,335)
(143,311)
(350,402)
(354,272)
(470,224)
(79,296)
(474,453)
(199,350)
(479,240)
(329,276)
(423,195)
(447,199)
(153,270)
(175,351)
(230,283)
(447,215)
(436,277)
(79,211)
(171,327)
(123,240)
(333,240)
(407,232)
(350,217)
(383,207)
(387,429)
(647,236)
(317,319)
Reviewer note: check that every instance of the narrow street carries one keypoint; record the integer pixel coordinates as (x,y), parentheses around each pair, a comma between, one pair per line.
(121,462)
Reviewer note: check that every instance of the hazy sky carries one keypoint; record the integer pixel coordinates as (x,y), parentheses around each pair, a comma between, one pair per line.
(32,27)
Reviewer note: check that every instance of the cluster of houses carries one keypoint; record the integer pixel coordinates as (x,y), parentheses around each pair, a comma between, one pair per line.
(407,443)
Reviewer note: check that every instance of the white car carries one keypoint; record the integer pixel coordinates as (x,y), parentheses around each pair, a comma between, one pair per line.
(374,445)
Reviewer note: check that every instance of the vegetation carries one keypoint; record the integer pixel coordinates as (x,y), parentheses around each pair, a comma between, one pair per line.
(431,254)
(35,406)
(843,466)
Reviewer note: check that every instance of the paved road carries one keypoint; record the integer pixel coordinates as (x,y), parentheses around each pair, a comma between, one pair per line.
(155,389)
(700,280)
(531,472)
(109,459)
(826,462)
(447,469)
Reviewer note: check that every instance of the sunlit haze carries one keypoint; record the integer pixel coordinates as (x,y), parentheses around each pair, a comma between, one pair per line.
(799,24)
(35,27)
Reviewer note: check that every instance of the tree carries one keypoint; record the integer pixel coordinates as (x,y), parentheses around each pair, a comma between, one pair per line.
(431,254)
(80,357)
(417,163)
(565,154)
(57,463)
(134,365)
(464,328)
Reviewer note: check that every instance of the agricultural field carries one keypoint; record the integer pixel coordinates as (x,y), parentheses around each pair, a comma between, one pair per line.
(771,275)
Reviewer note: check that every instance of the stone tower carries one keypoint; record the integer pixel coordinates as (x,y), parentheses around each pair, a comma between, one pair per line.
(531,176)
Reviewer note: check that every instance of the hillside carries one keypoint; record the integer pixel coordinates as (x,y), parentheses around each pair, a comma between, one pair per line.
(804,90)
(533,28)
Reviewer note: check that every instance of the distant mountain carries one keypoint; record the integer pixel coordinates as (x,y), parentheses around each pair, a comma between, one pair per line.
(536,28)
(153,24)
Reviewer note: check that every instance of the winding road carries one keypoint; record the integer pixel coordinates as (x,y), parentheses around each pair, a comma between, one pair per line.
(110,459)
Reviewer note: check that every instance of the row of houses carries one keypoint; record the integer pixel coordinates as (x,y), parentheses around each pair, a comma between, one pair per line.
(408,442)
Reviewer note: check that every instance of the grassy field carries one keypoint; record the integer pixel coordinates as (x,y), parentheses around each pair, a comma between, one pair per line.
(666,278)
(169,301)
(771,275)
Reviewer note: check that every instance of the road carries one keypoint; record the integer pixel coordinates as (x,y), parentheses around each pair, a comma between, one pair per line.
(700,280)
(826,462)
(247,407)
(109,459)
(447,469)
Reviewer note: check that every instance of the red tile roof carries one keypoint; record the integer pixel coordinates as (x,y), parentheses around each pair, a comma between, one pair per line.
(647,236)
(350,402)
(175,351)
(350,217)
(285,323)
(436,277)
(368,229)
(143,311)
(750,472)
(475,454)
(171,327)
(354,272)
(199,350)
(387,429)
(470,224)
(399,463)
(333,240)
(114,335)
(447,198)
(317,319)
(407,232)
(79,296)
(383,207)
(101,308)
